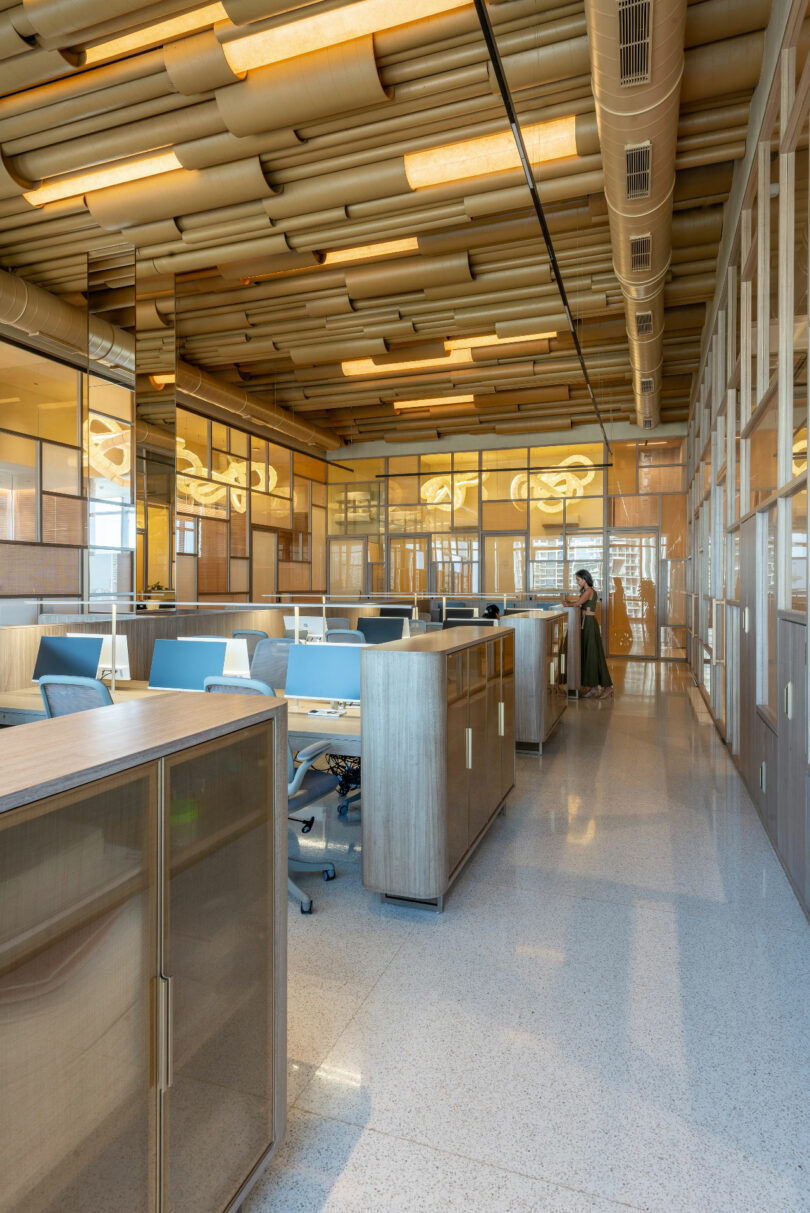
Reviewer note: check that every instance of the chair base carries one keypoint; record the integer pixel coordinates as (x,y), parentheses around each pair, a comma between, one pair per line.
(304,902)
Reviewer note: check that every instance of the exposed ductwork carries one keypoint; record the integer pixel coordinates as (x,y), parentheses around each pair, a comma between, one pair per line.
(637,62)
(37,312)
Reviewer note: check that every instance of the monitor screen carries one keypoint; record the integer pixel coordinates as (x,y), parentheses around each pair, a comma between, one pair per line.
(324,671)
(105,661)
(237,662)
(184,665)
(396,612)
(311,624)
(460,613)
(76,655)
(470,623)
(379,631)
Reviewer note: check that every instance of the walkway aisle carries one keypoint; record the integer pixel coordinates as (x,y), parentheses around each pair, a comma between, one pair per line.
(613,1012)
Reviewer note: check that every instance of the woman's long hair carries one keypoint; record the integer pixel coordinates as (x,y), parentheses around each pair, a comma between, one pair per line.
(585,575)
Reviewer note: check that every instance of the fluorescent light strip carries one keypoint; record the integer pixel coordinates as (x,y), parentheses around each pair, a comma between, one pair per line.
(367,366)
(490,154)
(432,402)
(337,256)
(327,29)
(99,179)
(474,343)
(155,35)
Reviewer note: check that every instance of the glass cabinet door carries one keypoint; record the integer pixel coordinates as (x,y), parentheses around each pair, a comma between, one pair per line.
(218,959)
(78,967)
(458,830)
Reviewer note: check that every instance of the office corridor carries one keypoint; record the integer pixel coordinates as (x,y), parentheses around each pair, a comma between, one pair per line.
(612,1013)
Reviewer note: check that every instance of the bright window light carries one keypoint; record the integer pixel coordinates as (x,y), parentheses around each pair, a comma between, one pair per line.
(100,178)
(327,29)
(155,35)
(490,153)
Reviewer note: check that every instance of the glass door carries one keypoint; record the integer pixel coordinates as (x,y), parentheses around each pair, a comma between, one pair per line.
(632,588)
(348,559)
(505,564)
(455,565)
(408,560)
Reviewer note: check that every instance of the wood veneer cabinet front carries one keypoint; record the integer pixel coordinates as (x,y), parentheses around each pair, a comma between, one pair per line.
(142,956)
(542,644)
(438,755)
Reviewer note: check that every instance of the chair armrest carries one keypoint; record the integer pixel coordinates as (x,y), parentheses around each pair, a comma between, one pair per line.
(311,752)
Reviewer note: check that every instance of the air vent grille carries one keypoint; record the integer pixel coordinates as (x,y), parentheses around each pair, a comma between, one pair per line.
(647,423)
(640,253)
(644,324)
(637,164)
(647,387)
(634,41)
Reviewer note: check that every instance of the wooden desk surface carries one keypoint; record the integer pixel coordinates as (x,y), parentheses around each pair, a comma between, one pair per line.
(86,746)
(342,732)
(25,705)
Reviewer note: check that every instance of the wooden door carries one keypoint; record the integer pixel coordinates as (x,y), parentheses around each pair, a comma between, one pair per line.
(749,760)
(792,749)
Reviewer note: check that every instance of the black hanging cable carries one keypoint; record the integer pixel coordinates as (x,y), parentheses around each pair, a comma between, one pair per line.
(506,97)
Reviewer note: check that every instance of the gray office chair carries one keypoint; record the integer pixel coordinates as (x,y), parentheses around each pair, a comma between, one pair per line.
(64,694)
(337,622)
(252,637)
(289,633)
(344,636)
(269,662)
(304,787)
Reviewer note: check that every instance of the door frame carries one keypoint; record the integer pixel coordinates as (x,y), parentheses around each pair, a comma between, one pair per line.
(266,530)
(524,535)
(655,533)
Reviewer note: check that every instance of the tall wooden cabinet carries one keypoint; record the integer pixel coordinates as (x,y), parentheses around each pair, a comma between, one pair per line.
(438,754)
(542,650)
(142,955)
(791,808)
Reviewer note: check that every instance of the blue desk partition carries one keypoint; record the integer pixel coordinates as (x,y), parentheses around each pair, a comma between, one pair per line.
(77,655)
(324,671)
(183,665)
(379,631)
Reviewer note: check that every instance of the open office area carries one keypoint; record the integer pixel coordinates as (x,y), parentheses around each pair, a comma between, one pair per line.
(404,777)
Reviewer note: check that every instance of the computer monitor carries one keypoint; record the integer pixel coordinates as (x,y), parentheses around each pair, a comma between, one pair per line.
(396,612)
(311,624)
(378,630)
(184,665)
(325,671)
(105,661)
(460,613)
(76,655)
(469,623)
(237,660)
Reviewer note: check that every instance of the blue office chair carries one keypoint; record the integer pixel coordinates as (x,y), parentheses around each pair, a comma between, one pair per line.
(269,662)
(251,636)
(64,694)
(344,636)
(304,786)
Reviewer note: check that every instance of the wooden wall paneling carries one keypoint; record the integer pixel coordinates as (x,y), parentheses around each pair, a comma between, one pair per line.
(212,565)
(791,840)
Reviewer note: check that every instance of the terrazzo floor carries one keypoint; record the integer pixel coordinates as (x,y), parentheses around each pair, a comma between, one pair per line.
(613,1012)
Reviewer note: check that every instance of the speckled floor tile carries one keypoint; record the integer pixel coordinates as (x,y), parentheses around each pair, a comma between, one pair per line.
(611,1013)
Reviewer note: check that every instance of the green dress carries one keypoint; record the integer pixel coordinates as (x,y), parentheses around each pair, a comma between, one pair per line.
(595,671)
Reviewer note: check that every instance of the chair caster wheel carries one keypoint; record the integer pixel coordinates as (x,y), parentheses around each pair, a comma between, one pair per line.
(343,809)
(306,909)
(327,875)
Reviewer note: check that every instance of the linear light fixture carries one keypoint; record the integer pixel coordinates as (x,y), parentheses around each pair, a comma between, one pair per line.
(327,29)
(155,35)
(160,381)
(367,366)
(490,153)
(387,247)
(475,343)
(431,402)
(100,178)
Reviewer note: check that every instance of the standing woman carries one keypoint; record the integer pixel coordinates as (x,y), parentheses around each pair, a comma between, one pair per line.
(595,673)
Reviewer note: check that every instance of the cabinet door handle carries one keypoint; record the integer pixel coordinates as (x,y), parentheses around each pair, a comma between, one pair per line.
(165,1058)
(745,620)
(763,776)
(501,720)
(468,739)
(789,700)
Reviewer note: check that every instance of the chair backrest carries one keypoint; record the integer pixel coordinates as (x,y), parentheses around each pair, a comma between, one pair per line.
(289,633)
(63,694)
(337,622)
(344,636)
(269,662)
(251,638)
(225,684)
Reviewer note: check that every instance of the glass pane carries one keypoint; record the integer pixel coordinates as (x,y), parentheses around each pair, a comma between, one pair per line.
(515,459)
(109,398)
(547,578)
(112,526)
(318,549)
(660,480)
(798,550)
(212,564)
(239,443)
(61,469)
(762,446)
(633,561)
(110,573)
(770,608)
(586,512)
(159,552)
(18,488)
(63,520)
(39,397)
(634,511)
(218,953)
(408,565)
(346,566)
(465,499)
(504,564)
(622,475)
(673,527)
(78,936)
(192,443)
(278,470)
(503,516)
(109,458)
